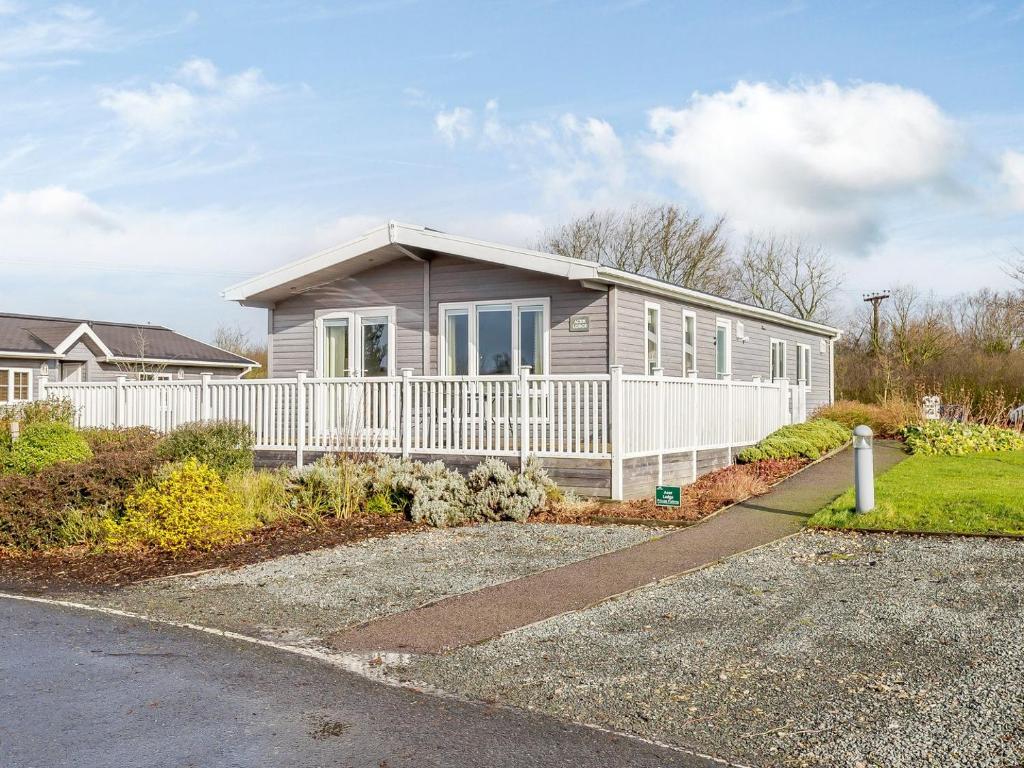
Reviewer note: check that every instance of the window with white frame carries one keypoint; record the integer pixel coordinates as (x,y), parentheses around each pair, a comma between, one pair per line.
(652,323)
(777,361)
(723,348)
(149,376)
(689,343)
(803,364)
(494,338)
(15,385)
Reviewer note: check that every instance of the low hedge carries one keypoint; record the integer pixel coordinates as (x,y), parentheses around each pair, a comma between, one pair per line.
(887,419)
(952,438)
(810,440)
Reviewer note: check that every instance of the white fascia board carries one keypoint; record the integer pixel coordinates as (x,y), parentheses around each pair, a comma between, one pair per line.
(369,241)
(629,280)
(480,250)
(251,363)
(78,333)
(29,355)
(168,361)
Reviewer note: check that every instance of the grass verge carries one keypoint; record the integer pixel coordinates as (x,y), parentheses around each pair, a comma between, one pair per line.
(976,493)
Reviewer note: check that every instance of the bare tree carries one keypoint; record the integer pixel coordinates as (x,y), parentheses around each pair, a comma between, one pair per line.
(140,366)
(787,275)
(239,341)
(665,241)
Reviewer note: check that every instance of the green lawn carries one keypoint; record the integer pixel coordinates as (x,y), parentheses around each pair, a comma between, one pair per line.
(977,493)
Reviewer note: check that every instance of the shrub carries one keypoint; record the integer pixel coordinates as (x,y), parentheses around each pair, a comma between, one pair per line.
(40,510)
(265,495)
(334,486)
(190,506)
(885,420)
(952,438)
(35,411)
(498,493)
(427,493)
(119,440)
(43,443)
(809,440)
(223,446)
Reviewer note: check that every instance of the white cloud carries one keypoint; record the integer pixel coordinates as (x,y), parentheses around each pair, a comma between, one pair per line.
(454,124)
(52,208)
(577,162)
(818,160)
(1012,177)
(190,105)
(54,31)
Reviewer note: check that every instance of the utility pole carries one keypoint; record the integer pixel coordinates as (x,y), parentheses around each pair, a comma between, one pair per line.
(876,300)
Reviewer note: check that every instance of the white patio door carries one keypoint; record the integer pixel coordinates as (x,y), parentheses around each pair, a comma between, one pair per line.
(357,343)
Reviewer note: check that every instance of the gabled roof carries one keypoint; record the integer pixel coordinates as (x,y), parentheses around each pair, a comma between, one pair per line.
(35,336)
(394,240)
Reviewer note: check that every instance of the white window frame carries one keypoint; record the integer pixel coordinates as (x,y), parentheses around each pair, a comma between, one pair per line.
(150,376)
(10,385)
(648,368)
(689,314)
(354,317)
(803,360)
(723,322)
(471,308)
(772,342)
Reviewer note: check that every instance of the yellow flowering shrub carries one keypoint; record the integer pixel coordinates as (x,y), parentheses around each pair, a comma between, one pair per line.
(190,506)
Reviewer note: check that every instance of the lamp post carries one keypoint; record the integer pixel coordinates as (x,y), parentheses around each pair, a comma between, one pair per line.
(864,468)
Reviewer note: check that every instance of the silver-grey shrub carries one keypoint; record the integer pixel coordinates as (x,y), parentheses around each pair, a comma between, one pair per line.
(428,493)
(496,492)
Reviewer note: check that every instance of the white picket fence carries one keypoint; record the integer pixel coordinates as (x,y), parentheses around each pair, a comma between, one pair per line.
(599,416)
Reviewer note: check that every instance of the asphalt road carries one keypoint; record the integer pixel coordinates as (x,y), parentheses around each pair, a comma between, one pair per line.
(85,689)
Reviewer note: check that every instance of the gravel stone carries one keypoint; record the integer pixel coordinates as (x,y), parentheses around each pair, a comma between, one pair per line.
(820,650)
(301,598)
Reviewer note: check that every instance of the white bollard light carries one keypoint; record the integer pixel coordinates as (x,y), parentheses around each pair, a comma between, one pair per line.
(864,468)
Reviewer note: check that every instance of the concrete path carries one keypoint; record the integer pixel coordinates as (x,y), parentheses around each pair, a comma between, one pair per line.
(480,615)
(88,690)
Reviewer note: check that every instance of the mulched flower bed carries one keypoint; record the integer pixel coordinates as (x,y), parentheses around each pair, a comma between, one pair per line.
(709,494)
(78,568)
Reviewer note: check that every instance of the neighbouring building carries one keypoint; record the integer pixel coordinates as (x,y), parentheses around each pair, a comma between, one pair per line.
(65,350)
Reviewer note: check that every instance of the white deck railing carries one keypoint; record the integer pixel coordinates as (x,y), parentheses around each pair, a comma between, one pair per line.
(599,416)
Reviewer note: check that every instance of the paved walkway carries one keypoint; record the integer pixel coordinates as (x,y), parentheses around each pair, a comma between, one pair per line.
(480,615)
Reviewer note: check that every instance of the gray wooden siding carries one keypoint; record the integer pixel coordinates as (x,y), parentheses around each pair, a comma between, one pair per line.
(454,279)
(749,359)
(400,284)
(396,283)
(97,371)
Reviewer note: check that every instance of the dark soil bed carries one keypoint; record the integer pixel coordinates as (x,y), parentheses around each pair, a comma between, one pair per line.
(77,569)
(709,494)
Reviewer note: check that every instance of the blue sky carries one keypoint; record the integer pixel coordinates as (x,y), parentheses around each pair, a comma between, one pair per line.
(150,156)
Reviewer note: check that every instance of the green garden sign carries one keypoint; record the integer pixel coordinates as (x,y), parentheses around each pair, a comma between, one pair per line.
(667,495)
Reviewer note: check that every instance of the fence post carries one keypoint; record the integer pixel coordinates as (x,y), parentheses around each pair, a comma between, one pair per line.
(784,415)
(524,415)
(616,428)
(728,416)
(44,380)
(119,402)
(204,396)
(406,412)
(659,424)
(694,426)
(300,417)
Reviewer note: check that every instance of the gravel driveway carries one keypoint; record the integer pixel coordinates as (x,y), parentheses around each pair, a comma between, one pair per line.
(824,649)
(300,598)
